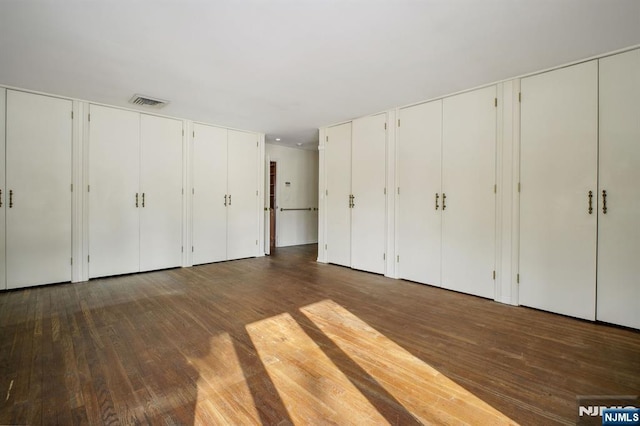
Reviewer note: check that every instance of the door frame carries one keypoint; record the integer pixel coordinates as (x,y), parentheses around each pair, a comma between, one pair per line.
(275,205)
(267,204)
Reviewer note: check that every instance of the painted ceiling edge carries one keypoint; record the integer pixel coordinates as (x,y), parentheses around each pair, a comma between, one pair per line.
(305,147)
(482,86)
(138,110)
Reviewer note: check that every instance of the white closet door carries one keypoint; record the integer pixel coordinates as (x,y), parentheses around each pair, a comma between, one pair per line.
(419,176)
(338,164)
(368,182)
(619,228)
(209,194)
(559,140)
(468,178)
(3,194)
(243,202)
(38,159)
(114,180)
(161,187)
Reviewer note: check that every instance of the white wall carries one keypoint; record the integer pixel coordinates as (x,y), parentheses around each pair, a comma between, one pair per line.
(299,167)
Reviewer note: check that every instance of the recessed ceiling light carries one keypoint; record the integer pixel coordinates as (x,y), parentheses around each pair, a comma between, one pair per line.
(278,139)
(299,144)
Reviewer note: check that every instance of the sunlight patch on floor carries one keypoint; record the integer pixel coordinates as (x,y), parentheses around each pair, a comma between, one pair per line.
(429,395)
(223,394)
(311,387)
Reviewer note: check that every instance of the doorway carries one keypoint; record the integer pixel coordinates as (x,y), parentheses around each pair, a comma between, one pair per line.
(272,206)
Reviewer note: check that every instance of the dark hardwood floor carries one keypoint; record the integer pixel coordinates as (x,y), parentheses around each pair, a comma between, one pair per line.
(285,340)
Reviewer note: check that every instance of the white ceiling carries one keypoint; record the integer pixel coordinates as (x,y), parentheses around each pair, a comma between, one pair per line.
(287,67)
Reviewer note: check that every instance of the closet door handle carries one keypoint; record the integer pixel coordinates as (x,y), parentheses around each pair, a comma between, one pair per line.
(437,196)
(590,202)
(444,201)
(604,202)
(11,198)
(225,200)
(353,201)
(143,199)
(136,200)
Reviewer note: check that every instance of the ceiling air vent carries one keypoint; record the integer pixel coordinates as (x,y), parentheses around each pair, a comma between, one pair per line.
(148,101)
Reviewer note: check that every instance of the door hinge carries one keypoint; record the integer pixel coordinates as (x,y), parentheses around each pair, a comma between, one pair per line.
(495,188)
(256,193)
(193,191)
(72,115)
(88,258)
(495,102)
(385,126)
(88,188)
(191,249)
(385,191)
(325,246)
(398,258)
(72,261)
(398,190)
(182,249)
(194,133)
(326,192)
(384,256)
(519,96)
(398,122)
(518,278)
(89,117)
(71,187)
(182,191)
(494,275)
(518,186)
(256,242)
(182,132)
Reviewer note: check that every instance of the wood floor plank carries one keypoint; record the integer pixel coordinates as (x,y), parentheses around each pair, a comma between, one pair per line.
(285,340)
(428,394)
(312,388)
